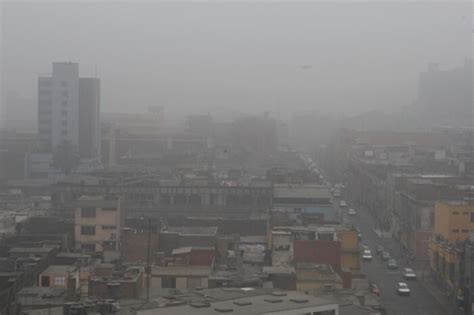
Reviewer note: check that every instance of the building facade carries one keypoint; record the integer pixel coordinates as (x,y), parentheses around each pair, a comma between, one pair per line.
(451,251)
(68,110)
(97,223)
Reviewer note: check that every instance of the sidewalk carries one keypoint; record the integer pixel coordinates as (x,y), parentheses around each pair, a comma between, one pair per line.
(429,285)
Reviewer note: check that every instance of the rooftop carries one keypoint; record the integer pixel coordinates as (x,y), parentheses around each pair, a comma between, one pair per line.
(59,269)
(202,271)
(41,296)
(278,270)
(192,230)
(31,250)
(247,302)
(188,249)
(302,191)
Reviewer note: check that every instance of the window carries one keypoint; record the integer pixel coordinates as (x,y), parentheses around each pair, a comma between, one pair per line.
(87,230)
(472,216)
(64,132)
(64,103)
(455,230)
(455,212)
(46,93)
(465,231)
(465,213)
(59,280)
(44,83)
(109,227)
(168,282)
(64,112)
(65,93)
(88,212)
(109,209)
(88,247)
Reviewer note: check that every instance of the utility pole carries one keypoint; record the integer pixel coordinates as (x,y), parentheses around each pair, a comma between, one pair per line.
(148,263)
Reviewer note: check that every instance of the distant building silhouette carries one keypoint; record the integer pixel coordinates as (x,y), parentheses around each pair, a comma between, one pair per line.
(69,110)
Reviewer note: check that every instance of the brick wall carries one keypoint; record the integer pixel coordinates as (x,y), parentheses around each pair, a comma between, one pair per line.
(320,252)
(135,246)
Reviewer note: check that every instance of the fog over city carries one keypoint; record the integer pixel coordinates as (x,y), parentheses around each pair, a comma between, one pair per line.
(229,58)
(241,157)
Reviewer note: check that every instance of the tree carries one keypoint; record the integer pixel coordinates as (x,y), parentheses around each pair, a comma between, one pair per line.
(65,157)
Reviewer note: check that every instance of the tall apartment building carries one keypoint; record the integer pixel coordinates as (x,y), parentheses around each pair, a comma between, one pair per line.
(98,221)
(68,110)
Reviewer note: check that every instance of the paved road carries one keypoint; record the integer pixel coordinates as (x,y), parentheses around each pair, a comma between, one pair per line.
(421,302)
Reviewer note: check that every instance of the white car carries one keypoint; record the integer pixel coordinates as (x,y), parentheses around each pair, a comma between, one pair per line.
(367,256)
(409,274)
(403,289)
(352,211)
(342,204)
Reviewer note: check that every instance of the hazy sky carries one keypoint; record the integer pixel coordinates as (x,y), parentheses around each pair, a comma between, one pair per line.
(234,56)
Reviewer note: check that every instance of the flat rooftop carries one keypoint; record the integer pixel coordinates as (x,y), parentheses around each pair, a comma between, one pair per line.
(31,250)
(188,249)
(59,269)
(201,271)
(277,303)
(302,191)
(192,230)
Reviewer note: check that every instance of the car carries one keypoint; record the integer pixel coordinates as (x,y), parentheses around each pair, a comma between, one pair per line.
(365,247)
(409,274)
(367,255)
(379,249)
(342,204)
(352,211)
(392,264)
(385,255)
(403,289)
(373,288)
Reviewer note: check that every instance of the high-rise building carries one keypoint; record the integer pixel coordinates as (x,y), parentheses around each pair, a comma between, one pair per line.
(68,110)
(89,117)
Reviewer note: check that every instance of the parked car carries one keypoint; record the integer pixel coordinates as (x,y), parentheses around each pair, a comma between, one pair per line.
(367,255)
(409,274)
(352,212)
(373,288)
(403,289)
(392,264)
(342,204)
(379,249)
(385,255)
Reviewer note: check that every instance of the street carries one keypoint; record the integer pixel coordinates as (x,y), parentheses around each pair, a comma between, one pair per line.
(420,302)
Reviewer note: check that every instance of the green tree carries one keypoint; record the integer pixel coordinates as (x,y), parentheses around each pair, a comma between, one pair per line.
(65,157)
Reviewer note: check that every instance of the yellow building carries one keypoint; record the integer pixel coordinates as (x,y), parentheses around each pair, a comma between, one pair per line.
(453,222)
(349,247)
